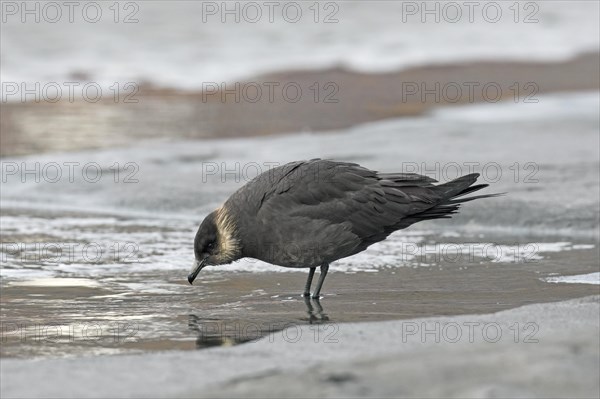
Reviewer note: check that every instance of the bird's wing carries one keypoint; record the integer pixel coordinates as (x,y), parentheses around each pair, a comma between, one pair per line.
(347,197)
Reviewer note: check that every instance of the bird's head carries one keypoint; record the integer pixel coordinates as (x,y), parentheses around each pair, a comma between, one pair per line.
(216,242)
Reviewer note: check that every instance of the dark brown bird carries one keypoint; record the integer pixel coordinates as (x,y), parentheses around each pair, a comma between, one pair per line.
(311,213)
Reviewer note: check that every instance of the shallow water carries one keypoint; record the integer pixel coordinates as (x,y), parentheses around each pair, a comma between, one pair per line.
(97,264)
(52,308)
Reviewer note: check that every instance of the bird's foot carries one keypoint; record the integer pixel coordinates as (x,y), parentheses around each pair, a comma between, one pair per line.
(317,296)
(306,294)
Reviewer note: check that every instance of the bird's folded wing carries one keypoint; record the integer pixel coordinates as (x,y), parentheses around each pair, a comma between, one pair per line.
(350,196)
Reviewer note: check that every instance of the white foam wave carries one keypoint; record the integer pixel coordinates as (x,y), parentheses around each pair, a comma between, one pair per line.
(591,278)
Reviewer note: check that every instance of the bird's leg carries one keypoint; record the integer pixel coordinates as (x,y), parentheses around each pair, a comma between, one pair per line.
(309,281)
(324,269)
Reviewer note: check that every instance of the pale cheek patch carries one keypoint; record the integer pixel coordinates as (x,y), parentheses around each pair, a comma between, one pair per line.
(229,245)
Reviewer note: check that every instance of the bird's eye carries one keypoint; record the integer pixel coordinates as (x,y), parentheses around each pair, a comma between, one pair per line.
(210,245)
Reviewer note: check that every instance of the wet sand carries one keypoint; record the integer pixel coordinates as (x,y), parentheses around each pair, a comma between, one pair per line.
(343,99)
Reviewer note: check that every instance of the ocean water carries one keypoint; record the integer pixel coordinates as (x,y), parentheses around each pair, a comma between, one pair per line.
(184,44)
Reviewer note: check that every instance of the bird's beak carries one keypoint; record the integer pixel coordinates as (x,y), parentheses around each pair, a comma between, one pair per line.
(196,269)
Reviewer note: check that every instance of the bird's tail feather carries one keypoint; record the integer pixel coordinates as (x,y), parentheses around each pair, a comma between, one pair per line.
(460,187)
(451,200)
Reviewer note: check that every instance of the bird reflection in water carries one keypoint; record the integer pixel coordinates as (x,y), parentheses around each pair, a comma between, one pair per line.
(316,315)
(216,332)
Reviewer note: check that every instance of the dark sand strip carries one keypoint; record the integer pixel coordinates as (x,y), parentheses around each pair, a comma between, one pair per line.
(330,99)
